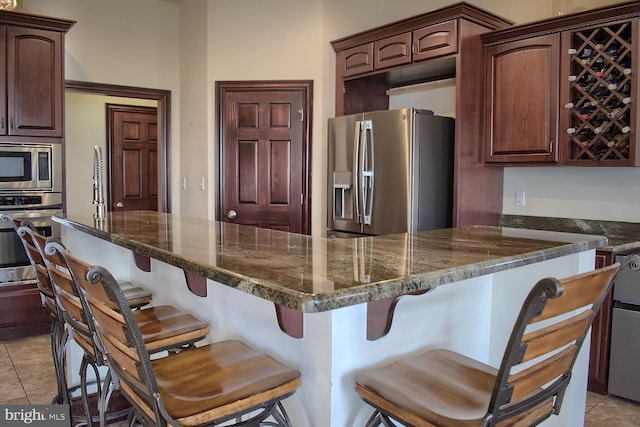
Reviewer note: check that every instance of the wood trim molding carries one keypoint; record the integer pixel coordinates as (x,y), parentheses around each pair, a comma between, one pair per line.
(456,11)
(574,21)
(35,21)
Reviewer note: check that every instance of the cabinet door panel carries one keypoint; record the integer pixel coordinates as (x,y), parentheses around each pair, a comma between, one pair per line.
(357,60)
(523,101)
(435,40)
(392,51)
(34,82)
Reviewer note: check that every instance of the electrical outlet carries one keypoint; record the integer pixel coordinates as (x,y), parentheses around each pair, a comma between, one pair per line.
(519,198)
(184,183)
(202,183)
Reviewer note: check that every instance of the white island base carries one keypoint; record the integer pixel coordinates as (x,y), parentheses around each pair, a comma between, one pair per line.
(473,317)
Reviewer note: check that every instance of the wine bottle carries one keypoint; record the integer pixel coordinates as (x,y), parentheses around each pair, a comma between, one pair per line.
(600,129)
(598,63)
(625,61)
(587,52)
(626,88)
(614,113)
(587,78)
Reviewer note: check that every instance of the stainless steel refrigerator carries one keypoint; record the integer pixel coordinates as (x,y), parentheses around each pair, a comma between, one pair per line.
(390,172)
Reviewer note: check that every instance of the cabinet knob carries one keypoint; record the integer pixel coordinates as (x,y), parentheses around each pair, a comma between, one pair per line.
(119,205)
(232,214)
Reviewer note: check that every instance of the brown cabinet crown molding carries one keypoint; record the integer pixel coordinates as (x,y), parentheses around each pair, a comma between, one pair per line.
(455,11)
(36,21)
(588,18)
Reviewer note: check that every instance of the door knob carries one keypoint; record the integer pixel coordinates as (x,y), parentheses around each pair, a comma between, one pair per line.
(119,205)
(232,214)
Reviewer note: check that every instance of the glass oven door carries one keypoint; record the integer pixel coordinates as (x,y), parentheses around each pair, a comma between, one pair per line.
(15,267)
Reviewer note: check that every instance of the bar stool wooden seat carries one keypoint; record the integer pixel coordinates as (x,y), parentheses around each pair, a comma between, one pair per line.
(444,388)
(215,383)
(166,328)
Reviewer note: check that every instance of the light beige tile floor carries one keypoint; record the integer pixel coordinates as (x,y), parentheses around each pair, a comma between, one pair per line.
(27,376)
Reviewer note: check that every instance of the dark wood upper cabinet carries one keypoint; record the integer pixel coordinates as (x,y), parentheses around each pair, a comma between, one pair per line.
(32,78)
(522,100)
(392,51)
(565,90)
(435,40)
(356,60)
(441,44)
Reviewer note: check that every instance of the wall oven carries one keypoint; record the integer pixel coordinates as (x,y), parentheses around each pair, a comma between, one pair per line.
(30,167)
(15,267)
(31,189)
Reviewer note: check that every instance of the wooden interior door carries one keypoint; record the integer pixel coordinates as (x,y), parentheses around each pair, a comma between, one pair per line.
(263,155)
(133,157)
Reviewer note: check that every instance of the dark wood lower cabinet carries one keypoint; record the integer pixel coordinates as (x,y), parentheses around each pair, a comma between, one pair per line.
(22,312)
(601,334)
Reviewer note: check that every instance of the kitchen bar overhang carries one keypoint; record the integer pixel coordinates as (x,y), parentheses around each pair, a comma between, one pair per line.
(304,274)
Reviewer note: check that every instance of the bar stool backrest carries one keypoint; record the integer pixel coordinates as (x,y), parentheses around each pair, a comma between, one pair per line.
(551,327)
(25,231)
(74,312)
(118,333)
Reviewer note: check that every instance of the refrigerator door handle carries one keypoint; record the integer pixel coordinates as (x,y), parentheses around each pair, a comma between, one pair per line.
(367,170)
(356,170)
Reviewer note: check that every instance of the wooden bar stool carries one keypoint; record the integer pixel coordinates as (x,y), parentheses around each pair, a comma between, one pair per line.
(227,381)
(167,328)
(444,388)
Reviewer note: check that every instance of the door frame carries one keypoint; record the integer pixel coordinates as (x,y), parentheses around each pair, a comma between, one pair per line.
(163,97)
(306,86)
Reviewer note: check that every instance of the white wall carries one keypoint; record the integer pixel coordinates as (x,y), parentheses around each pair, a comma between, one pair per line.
(197,159)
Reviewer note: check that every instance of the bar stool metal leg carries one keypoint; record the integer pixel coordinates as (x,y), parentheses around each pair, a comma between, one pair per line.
(57,336)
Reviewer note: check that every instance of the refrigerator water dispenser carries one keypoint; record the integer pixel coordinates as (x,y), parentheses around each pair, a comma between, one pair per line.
(343,207)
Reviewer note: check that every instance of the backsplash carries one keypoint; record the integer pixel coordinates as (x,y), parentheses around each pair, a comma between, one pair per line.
(611,229)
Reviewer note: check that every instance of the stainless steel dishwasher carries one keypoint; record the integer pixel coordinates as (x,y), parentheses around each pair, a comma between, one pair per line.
(624,362)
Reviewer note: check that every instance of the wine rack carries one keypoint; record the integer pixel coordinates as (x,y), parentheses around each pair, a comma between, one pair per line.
(600,93)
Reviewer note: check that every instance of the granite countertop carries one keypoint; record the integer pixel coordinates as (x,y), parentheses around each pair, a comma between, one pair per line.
(312,274)
(622,236)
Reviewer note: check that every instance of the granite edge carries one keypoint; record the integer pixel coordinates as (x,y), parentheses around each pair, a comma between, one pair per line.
(318,302)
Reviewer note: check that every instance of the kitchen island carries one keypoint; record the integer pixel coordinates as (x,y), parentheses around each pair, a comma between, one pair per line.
(331,306)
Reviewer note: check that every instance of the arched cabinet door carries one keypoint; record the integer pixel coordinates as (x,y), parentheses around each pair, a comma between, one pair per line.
(522,100)
(34,82)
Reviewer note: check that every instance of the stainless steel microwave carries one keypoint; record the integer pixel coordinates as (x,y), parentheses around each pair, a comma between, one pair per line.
(26,166)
